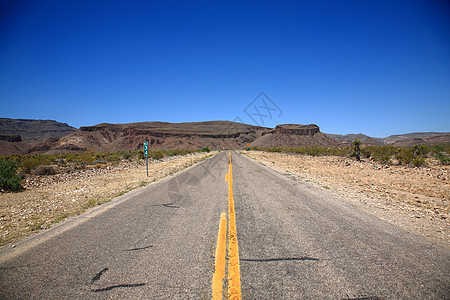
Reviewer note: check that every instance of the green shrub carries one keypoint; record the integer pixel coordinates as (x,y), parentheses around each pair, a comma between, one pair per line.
(125,154)
(444,160)
(366,152)
(420,150)
(158,154)
(206,149)
(418,162)
(381,153)
(29,163)
(404,155)
(437,149)
(357,149)
(9,179)
(45,170)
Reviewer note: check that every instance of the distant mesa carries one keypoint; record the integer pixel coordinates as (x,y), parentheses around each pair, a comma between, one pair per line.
(295,136)
(297,129)
(34,131)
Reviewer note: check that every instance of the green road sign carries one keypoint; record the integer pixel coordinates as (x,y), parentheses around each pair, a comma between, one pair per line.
(146,148)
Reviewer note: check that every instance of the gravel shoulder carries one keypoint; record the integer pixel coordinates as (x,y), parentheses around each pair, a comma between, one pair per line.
(414,199)
(50,199)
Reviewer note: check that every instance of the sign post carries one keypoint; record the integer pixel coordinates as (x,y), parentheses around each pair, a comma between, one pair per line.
(146,155)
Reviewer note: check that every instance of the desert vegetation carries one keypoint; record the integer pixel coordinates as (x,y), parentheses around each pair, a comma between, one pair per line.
(14,168)
(415,156)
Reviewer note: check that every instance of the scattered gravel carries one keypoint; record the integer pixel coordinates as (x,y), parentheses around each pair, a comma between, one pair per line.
(50,199)
(415,199)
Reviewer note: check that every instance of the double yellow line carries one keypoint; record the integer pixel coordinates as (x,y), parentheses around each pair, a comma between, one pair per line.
(234,277)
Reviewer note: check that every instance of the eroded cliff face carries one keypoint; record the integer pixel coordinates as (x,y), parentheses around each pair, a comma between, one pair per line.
(13,138)
(17,136)
(295,136)
(34,131)
(296,129)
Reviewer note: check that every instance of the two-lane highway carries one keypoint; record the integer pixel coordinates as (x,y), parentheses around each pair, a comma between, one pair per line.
(159,242)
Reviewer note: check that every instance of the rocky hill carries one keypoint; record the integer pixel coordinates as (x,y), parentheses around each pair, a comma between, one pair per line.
(406,140)
(33,131)
(294,135)
(417,138)
(345,140)
(19,135)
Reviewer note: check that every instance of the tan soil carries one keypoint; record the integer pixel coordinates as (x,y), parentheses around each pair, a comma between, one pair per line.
(49,199)
(415,199)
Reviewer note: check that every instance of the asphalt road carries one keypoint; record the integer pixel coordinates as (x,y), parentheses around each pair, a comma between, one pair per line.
(158,242)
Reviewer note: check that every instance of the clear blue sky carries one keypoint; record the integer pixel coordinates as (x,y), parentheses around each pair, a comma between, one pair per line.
(376,67)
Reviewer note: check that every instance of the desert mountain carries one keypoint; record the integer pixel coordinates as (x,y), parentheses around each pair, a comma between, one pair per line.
(345,140)
(406,140)
(194,135)
(160,135)
(417,138)
(294,135)
(19,135)
(43,136)
(34,131)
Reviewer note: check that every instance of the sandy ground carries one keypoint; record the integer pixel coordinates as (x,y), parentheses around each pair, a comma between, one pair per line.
(415,199)
(50,199)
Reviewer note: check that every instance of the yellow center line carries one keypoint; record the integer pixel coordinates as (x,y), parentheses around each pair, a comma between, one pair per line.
(219,263)
(234,277)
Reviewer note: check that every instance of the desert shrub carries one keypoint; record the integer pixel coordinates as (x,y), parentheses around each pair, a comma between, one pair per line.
(420,150)
(404,155)
(437,149)
(45,170)
(336,151)
(313,151)
(126,154)
(29,163)
(444,160)
(356,149)
(438,152)
(10,180)
(175,152)
(206,149)
(274,149)
(366,152)
(158,154)
(381,153)
(418,161)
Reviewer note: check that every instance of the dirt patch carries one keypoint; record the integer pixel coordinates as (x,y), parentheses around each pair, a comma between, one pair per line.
(50,199)
(415,199)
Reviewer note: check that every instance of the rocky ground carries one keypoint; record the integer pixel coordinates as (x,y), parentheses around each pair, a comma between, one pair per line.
(49,199)
(415,199)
